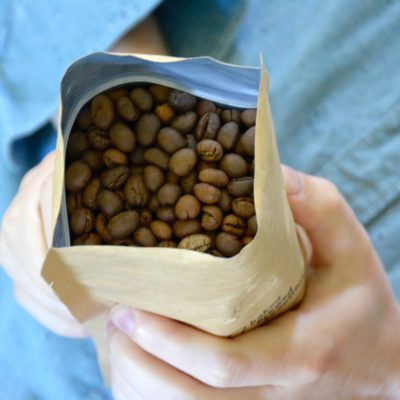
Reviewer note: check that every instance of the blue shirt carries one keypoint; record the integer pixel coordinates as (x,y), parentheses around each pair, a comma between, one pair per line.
(334,71)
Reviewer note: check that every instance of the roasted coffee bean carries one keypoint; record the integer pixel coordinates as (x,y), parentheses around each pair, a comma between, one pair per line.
(145,217)
(115,177)
(234,165)
(160,93)
(202,165)
(248,117)
(187,207)
(114,157)
(197,242)
(136,193)
(142,99)
(172,177)
(208,126)
(214,177)
(153,177)
(225,202)
(147,129)
(102,111)
(243,207)
(74,201)
(209,150)
(144,237)
(211,217)
(123,224)
(101,228)
(191,141)
(230,115)
(206,193)
(167,243)
(122,137)
(182,161)
(161,230)
(188,181)
(245,240)
(98,139)
(153,203)
(137,156)
(109,202)
(181,101)
(241,186)
(116,94)
(168,194)
(77,144)
(252,225)
(88,239)
(234,225)
(205,106)
(84,119)
(157,157)
(123,242)
(186,228)
(82,221)
(93,159)
(227,244)
(247,141)
(184,123)
(166,214)
(165,113)
(77,176)
(228,135)
(170,140)
(90,194)
(126,109)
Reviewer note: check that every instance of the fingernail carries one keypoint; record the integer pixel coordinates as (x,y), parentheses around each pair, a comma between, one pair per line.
(294,183)
(123,318)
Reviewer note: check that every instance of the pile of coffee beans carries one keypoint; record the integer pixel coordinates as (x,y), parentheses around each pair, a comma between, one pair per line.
(153,166)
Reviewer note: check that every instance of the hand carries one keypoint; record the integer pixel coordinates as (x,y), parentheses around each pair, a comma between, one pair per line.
(24,240)
(342,342)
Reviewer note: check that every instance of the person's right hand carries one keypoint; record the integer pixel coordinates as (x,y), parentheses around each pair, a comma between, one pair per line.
(25,236)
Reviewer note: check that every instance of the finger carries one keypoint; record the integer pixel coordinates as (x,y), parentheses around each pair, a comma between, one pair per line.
(141,372)
(331,225)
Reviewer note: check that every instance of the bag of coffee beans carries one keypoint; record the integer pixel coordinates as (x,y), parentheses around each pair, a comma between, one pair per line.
(168,194)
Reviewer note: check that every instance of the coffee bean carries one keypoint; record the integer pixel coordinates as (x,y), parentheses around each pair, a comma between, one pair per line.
(90,194)
(74,201)
(184,123)
(161,230)
(101,228)
(243,207)
(170,140)
(167,243)
(145,217)
(225,202)
(116,94)
(102,111)
(234,165)
(214,177)
(144,237)
(208,126)
(205,106)
(153,203)
(206,193)
(123,224)
(191,141)
(93,159)
(186,228)
(168,194)
(234,225)
(182,161)
(209,150)
(115,177)
(136,170)
(160,93)
(187,207)
(136,193)
(227,244)
(123,242)
(84,119)
(181,101)
(245,240)
(252,225)
(157,157)
(122,137)
(88,239)
(142,99)
(82,221)
(165,113)
(166,214)
(248,117)
(147,128)
(247,141)
(109,203)
(114,157)
(77,176)
(188,181)
(241,186)
(228,135)
(211,217)
(202,165)
(153,177)
(98,139)
(77,144)
(126,109)
(196,242)
(230,115)
(137,156)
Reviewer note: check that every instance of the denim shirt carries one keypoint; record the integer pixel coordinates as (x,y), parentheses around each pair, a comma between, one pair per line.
(334,71)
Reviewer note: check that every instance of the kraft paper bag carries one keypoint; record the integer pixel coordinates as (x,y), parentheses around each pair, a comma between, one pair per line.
(222,296)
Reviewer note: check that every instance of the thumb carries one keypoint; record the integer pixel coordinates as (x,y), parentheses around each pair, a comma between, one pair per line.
(331,225)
